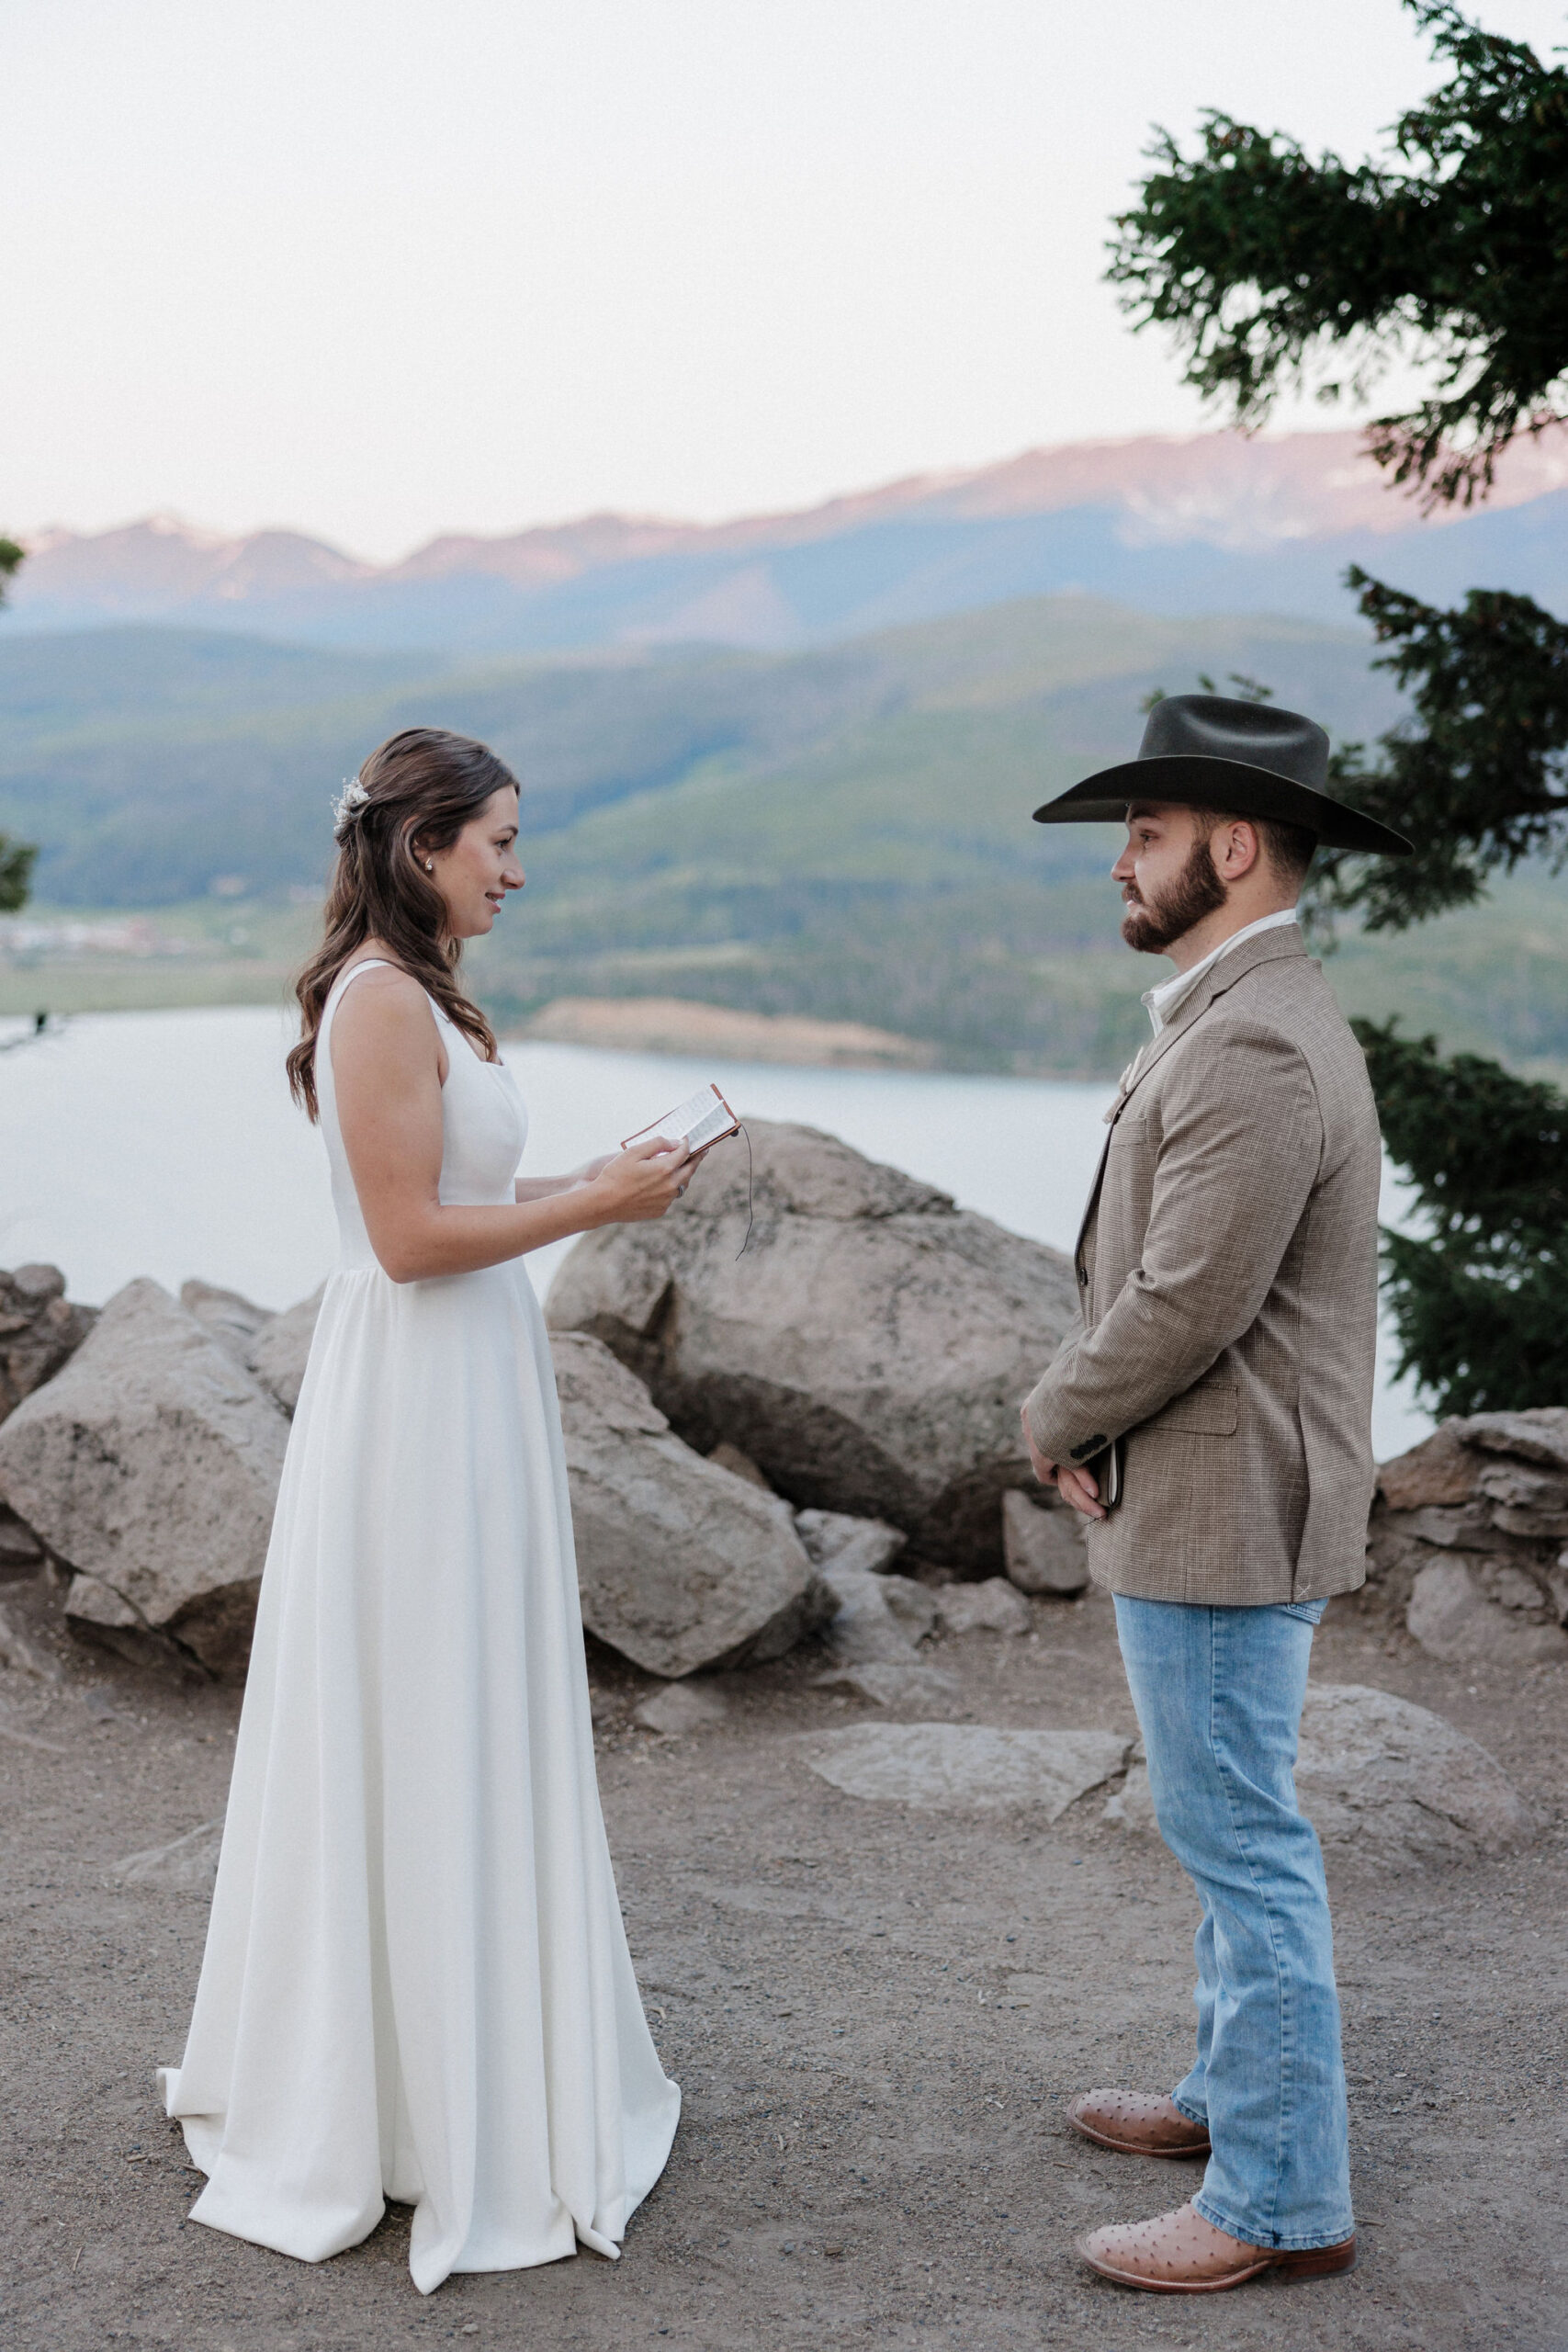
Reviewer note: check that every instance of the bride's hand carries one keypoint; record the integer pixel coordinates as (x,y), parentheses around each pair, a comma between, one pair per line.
(641,1184)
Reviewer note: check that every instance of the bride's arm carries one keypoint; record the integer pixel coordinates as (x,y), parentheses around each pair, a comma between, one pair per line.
(386,1057)
(548,1188)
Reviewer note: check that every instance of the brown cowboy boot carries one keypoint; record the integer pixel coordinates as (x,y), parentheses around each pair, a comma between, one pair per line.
(1181,2253)
(1137,2123)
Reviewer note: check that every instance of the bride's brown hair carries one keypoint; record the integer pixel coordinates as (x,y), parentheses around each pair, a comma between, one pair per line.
(414,793)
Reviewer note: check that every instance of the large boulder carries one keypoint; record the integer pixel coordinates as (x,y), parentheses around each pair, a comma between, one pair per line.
(1384,1776)
(681,1564)
(276,1347)
(869,1349)
(1468,1534)
(40,1330)
(1452,1615)
(231,1318)
(150,1466)
(1380,1773)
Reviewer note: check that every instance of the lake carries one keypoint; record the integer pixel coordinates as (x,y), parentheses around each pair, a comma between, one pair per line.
(166,1143)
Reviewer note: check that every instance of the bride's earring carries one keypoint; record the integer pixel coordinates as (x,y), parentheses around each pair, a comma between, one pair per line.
(430,866)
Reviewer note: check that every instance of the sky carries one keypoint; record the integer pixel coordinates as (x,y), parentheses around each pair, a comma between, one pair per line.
(382,268)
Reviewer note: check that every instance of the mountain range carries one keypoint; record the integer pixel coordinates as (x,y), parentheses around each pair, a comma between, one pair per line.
(840,833)
(1208,523)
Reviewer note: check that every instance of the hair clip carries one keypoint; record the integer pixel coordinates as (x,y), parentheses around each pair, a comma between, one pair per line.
(347,806)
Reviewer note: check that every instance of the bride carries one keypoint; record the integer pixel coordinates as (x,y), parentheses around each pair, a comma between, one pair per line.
(416,1983)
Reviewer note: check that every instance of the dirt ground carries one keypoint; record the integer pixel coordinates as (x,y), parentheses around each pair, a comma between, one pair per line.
(876,2015)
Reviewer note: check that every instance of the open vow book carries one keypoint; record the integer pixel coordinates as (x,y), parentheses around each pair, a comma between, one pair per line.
(703,1118)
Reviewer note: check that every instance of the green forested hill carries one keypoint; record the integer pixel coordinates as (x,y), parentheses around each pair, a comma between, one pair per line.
(147,761)
(844,833)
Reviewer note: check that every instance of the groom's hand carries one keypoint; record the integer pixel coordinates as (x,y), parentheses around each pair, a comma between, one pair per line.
(1075,1487)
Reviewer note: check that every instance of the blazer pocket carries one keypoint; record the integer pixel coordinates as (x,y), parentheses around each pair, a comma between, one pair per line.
(1207,1409)
(1133,1126)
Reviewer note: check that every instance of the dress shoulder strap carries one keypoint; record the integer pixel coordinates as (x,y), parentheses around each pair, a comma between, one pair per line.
(346,979)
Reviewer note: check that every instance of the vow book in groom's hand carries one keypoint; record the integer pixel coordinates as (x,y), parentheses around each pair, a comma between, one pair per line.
(704,1118)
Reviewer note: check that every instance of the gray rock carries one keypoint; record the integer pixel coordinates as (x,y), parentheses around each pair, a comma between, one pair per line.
(150,1465)
(1538,1434)
(966,1768)
(1469,1525)
(870,1351)
(273,1347)
(232,1319)
(993,1607)
(1512,1484)
(681,1564)
(863,1627)
(278,1353)
(20,1656)
(1380,1774)
(1450,1527)
(681,1707)
(1530,1504)
(186,1865)
(41,1330)
(22,1553)
(1511,1589)
(1396,1781)
(1442,1469)
(1043,1546)
(914,1605)
(892,1682)
(838,1537)
(1451,1615)
(1133,1805)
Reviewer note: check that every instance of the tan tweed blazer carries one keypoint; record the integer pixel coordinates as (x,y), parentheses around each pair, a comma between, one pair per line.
(1227,1269)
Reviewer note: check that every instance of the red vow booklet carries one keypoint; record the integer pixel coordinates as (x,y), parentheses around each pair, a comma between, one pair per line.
(704,1118)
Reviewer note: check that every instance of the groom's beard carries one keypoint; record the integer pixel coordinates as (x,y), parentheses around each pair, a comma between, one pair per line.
(1153,924)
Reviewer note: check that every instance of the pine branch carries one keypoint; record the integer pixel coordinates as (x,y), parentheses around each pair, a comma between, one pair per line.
(1272,270)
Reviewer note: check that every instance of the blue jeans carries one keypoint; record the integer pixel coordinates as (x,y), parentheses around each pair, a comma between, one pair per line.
(1219,1697)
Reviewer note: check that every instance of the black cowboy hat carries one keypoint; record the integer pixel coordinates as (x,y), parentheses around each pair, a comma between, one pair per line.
(1248,759)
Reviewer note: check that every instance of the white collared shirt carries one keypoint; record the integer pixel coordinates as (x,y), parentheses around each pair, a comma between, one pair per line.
(1166,1000)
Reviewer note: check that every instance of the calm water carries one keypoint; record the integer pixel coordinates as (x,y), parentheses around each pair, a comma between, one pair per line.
(166,1143)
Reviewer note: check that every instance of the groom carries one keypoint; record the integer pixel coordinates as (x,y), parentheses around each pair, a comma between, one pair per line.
(1210,1419)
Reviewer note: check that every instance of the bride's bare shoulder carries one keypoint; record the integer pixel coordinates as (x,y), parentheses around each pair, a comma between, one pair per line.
(384,1008)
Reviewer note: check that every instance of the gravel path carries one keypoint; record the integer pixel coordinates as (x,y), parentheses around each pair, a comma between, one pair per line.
(876,2015)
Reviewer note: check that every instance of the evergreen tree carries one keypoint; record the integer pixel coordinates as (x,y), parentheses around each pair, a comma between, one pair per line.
(1272,270)
(1481,1301)
(16,858)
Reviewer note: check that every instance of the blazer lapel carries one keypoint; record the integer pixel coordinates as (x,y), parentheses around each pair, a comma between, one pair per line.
(1093,1201)
(1265,948)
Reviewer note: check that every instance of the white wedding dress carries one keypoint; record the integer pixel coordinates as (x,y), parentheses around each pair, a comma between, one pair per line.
(416,1982)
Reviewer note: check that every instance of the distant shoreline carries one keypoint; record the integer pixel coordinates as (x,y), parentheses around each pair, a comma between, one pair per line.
(1475,977)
